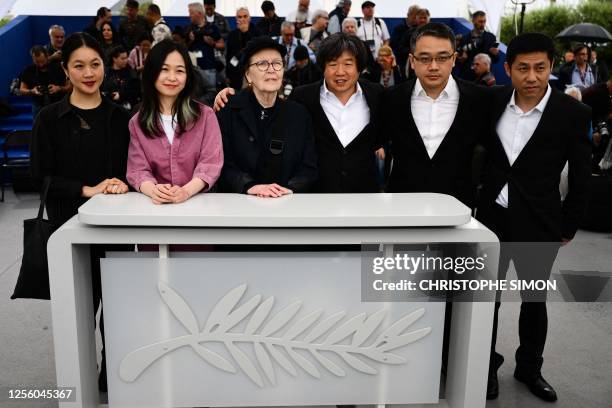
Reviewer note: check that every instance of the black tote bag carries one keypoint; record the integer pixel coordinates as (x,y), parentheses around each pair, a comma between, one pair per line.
(33,280)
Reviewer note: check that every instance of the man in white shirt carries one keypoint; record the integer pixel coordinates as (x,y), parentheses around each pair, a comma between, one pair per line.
(537,131)
(302,15)
(432,121)
(372,30)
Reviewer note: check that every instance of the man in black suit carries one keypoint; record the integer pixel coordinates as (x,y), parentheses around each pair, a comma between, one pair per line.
(535,130)
(434,121)
(344,113)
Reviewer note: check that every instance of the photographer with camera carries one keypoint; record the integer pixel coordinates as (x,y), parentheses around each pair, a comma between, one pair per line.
(121,83)
(478,41)
(203,38)
(44,80)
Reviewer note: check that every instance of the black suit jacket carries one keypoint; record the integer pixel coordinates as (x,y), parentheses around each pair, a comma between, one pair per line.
(349,169)
(449,171)
(235,43)
(243,152)
(535,212)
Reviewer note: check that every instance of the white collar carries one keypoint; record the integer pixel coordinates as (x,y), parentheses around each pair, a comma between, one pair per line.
(450,91)
(539,107)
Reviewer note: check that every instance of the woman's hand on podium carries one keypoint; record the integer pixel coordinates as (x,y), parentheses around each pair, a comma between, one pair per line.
(103,188)
(179,194)
(159,193)
(190,189)
(268,190)
(116,186)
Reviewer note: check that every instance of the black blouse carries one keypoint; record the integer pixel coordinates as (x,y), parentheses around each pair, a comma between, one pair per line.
(77,148)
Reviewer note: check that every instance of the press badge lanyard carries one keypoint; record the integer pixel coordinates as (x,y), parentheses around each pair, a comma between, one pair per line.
(374,30)
(288,56)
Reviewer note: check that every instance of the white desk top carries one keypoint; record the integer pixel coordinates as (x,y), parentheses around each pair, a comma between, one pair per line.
(291,211)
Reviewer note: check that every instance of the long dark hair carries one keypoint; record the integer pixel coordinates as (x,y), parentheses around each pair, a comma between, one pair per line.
(77,40)
(185,108)
(115,35)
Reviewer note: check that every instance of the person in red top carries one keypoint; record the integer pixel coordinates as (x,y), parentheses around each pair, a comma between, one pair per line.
(175,148)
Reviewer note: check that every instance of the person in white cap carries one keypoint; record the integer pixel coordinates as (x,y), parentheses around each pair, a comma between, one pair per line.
(372,30)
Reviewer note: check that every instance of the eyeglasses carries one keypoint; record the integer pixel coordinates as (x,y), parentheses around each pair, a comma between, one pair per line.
(264,65)
(426,59)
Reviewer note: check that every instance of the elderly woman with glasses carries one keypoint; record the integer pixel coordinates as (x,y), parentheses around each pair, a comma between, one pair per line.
(268,143)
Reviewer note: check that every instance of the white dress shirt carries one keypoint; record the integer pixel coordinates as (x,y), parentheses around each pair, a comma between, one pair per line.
(514,129)
(434,117)
(347,120)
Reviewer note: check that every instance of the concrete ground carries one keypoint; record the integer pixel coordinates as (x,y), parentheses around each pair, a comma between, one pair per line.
(577,359)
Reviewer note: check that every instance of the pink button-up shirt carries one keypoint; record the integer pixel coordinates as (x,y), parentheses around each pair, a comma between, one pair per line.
(196,153)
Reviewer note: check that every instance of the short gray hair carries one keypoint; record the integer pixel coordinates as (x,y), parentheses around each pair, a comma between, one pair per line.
(484,58)
(413,9)
(287,24)
(318,14)
(348,20)
(196,6)
(574,92)
(243,8)
(56,27)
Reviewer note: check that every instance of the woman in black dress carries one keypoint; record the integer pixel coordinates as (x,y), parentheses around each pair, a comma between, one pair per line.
(81,141)
(80,144)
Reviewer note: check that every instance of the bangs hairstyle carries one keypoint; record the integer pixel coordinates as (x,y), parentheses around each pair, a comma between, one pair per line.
(185,108)
(76,41)
(530,42)
(438,30)
(336,44)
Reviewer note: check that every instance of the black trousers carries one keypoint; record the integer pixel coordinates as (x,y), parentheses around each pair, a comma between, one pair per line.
(531,262)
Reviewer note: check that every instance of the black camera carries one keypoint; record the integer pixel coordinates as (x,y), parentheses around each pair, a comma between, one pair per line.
(43,90)
(602,129)
(470,46)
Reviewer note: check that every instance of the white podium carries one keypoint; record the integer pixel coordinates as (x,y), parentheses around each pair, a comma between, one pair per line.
(264,327)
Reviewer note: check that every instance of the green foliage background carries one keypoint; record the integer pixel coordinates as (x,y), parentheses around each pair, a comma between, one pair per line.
(553,19)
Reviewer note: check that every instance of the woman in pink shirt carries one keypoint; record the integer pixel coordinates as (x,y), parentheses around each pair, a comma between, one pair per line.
(138,55)
(175,147)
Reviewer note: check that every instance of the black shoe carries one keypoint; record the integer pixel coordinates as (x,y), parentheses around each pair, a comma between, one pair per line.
(492,383)
(538,387)
(492,386)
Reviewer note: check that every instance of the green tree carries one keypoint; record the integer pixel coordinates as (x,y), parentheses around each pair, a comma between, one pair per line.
(552,20)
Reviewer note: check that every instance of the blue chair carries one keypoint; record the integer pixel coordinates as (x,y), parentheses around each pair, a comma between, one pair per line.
(15,154)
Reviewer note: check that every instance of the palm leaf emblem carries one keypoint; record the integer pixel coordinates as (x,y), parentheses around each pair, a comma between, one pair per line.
(263,330)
